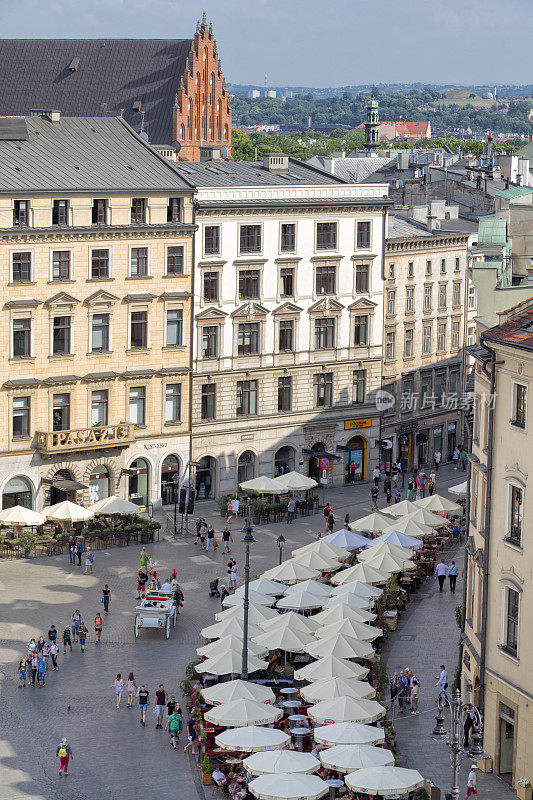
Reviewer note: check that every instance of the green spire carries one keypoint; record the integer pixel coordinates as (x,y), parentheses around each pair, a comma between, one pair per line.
(372,124)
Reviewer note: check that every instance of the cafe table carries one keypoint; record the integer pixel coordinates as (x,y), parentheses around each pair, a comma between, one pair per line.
(297,719)
(299,733)
(334,784)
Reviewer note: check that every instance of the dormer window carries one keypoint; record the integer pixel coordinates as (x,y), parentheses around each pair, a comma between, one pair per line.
(21,209)
(99,212)
(174,210)
(138,210)
(60,212)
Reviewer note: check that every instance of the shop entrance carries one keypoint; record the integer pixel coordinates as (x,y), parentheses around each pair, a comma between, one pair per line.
(138,483)
(17,492)
(506,748)
(170,470)
(315,471)
(245,467)
(205,478)
(422,448)
(63,487)
(355,460)
(99,484)
(405,443)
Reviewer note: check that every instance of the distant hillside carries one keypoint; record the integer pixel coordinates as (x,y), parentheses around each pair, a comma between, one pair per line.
(465,97)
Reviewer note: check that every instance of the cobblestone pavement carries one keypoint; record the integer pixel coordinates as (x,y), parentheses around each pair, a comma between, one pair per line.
(113,755)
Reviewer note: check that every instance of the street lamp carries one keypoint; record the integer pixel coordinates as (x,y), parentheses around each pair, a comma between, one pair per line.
(455,737)
(176,492)
(281,541)
(248,540)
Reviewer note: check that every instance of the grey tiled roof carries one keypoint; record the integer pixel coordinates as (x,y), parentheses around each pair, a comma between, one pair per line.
(94,154)
(112,74)
(355,169)
(252,173)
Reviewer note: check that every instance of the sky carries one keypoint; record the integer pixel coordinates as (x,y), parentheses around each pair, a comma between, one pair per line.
(312,42)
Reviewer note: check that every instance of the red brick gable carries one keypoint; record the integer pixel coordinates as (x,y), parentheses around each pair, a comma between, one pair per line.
(201,113)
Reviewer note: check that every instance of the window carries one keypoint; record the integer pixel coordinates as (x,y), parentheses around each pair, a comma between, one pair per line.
(60,212)
(359,386)
(325,279)
(21,268)
(22,338)
(248,284)
(326,235)
(175,260)
(457,265)
(408,394)
(440,386)
(392,272)
(286,279)
(100,264)
(390,341)
(139,262)
(519,410)
(472,297)
(21,212)
(246,398)
(61,336)
(428,298)
(208,401)
(453,382)
(324,333)
(411,269)
(288,238)
(173,402)
(139,329)
(441,337)
(426,389)
(455,335)
(210,291)
(511,620)
(443,266)
(442,295)
(408,343)
(174,328)
(428,267)
(99,212)
(360,330)
(409,300)
(61,412)
(250,238)
(323,389)
(61,265)
(212,240)
(21,416)
(391,302)
(284,394)
(174,210)
(137,405)
(286,335)
(138,210)
(99,407)
(248,338)
(210,341)
(426,340)
(471,336)
(363,234)
(362,272)
(456,294)
(100,333)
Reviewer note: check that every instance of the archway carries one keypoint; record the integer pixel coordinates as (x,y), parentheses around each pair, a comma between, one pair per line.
(245,467)
(170,470)
(17,492)
(139,482)
(99,483)
(205,477)
(284,460)
(59,490)
(355,460)
(314,462)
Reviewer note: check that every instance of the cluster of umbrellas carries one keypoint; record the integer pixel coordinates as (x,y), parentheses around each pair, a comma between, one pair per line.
(66,511)
(289,482)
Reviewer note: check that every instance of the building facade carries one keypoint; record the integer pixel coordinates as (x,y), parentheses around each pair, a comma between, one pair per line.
(96,248)
(288,322)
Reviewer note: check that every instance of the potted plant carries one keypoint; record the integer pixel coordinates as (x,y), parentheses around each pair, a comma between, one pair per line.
(207,771)
(524,789)
(258,510)
(27,540)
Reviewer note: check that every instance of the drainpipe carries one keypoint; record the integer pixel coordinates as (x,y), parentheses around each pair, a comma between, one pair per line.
(383,245)
(191,335)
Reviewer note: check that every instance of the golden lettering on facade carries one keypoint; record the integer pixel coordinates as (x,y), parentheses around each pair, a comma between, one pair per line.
(85,437)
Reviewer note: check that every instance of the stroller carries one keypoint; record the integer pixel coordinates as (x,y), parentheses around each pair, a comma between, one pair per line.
(213,588)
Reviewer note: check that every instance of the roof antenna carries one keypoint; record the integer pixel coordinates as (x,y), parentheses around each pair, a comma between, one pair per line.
(142,122)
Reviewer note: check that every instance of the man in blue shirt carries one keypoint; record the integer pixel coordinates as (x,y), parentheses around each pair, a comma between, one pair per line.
(452,575)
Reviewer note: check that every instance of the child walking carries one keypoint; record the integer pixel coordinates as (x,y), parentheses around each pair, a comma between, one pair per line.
(119,688)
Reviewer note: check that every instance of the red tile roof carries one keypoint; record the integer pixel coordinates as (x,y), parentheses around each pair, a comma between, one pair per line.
(517,330)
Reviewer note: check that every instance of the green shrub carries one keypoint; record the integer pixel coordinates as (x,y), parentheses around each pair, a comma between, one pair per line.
(205,766)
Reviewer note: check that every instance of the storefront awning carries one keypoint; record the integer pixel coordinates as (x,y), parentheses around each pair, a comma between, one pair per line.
(308,453)
(64,484)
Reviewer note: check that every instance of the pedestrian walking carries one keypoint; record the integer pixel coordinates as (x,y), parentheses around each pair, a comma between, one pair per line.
(173,725)
(72,549)
(351,471)
(394,688)
(226,538)
(118,686)
(347,523)
(203,535)
(64,752)
(437,455)
(374,493)
(106,597)
(23,671)
(232,574)
(171,705)
(331,523)
(34,669)
(441,570)
(76,621)
(291,508)
(229,510)
(54,652)
(415,693)
(199,524)
(468,725)
(98,625)
(89,560)
(397,497)
(41,671)
(442,681)
(326,512)
(471,784)
(79,551)
(159,705)
(455,458)
(52,633)
(131,689)
(410,489)
(82,636)
(464,458)
(144,698)
(143,558)
(142,577)
(432,483)
(67,641)
(192,735)
(210,538)
(401,693)
(376,474)
(452,576)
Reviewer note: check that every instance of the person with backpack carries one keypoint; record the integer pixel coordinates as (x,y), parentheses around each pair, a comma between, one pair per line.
(98,625)
(67,640)
(82,635)
(77,620)
(374,493)
(79,551)
(174,726)
(89,560)
(144,698)
(64,752)
(23,670)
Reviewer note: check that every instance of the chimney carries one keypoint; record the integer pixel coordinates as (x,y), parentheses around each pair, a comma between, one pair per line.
(276,162)
(52,115)
(489,145)
(210,153)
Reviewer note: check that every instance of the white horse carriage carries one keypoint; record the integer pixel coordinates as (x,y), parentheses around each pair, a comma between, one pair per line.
(157,610)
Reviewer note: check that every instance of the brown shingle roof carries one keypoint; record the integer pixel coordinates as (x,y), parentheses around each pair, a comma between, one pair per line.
(516,331)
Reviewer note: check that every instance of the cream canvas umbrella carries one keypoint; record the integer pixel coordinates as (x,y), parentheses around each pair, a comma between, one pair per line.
(373,522)
(347,627)
(323,548)
(397,538)
(68,512)
(406,525)
(349,540)
(316,561)
(360,572)
(351,600)
(239,713)
(19,515)
(288,786)
(283,639)
(256,614)
(340,645)
(295,482)
(349,757)
(359,614)
(330,667)
(340,612)
(317,588)
(265,586)
(389,562)
(252,739)
(361,630)
(403,508)
(290,572)
(229,663)
(428,518)
(357,587)
(228,626)
(384,781)
(348,733)
(253,597)
(237,690)
(231,642)
(301,601)
(459,489)
(263,485)
(271,761)
(439,504)
(291,620)
(346,709)
(114,505)
(337,687)
(386,547)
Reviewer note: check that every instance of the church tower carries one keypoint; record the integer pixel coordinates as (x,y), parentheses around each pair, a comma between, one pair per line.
(372,125)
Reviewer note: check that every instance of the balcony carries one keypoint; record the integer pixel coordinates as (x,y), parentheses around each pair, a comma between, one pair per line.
(85,439)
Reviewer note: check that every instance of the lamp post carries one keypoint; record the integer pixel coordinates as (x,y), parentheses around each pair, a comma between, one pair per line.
(248,540)
(176,492)
(455,738)
(281,541)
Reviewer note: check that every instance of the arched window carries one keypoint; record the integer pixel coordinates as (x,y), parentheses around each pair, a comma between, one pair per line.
(284,461)
(139,482)
(99,484)
(170,470)
(205,477)
(226,132)
(182,132)
(246,466)
(355,460)
(17,492)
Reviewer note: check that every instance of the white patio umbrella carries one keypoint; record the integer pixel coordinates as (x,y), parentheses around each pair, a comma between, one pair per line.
(397,538)
(237,690)
(360,572)
(254,597)
(264,586)
(357,587)
(349,540)
(284,639)
(288,786)
(19,515)
(374,522)
(256,614)
(403,508)
(340,645)
(387,547)
(346,627)
(295,482)
(440,504)
(114,505)
(301,601)
(459,489)
(406,525)
(351,600)
(229,663)
(68,512)
(320,589)
(231,642)
(361,630)
(348,757)
(323,548)
(252,739)
(316,561)
(239,713)
(340,612)
(290,620)
(228,626)
(349,733)
(337,687)
(428,518)
(346,709)
(263,485)
(384,781)
(330,667)
(290,572)
(275,761)
(389,562)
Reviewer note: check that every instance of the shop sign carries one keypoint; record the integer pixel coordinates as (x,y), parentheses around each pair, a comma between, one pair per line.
(155,445)
(355,424)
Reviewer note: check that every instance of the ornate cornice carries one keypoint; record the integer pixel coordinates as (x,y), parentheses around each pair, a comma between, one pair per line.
(278,210)
(425,243)
(92,234)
